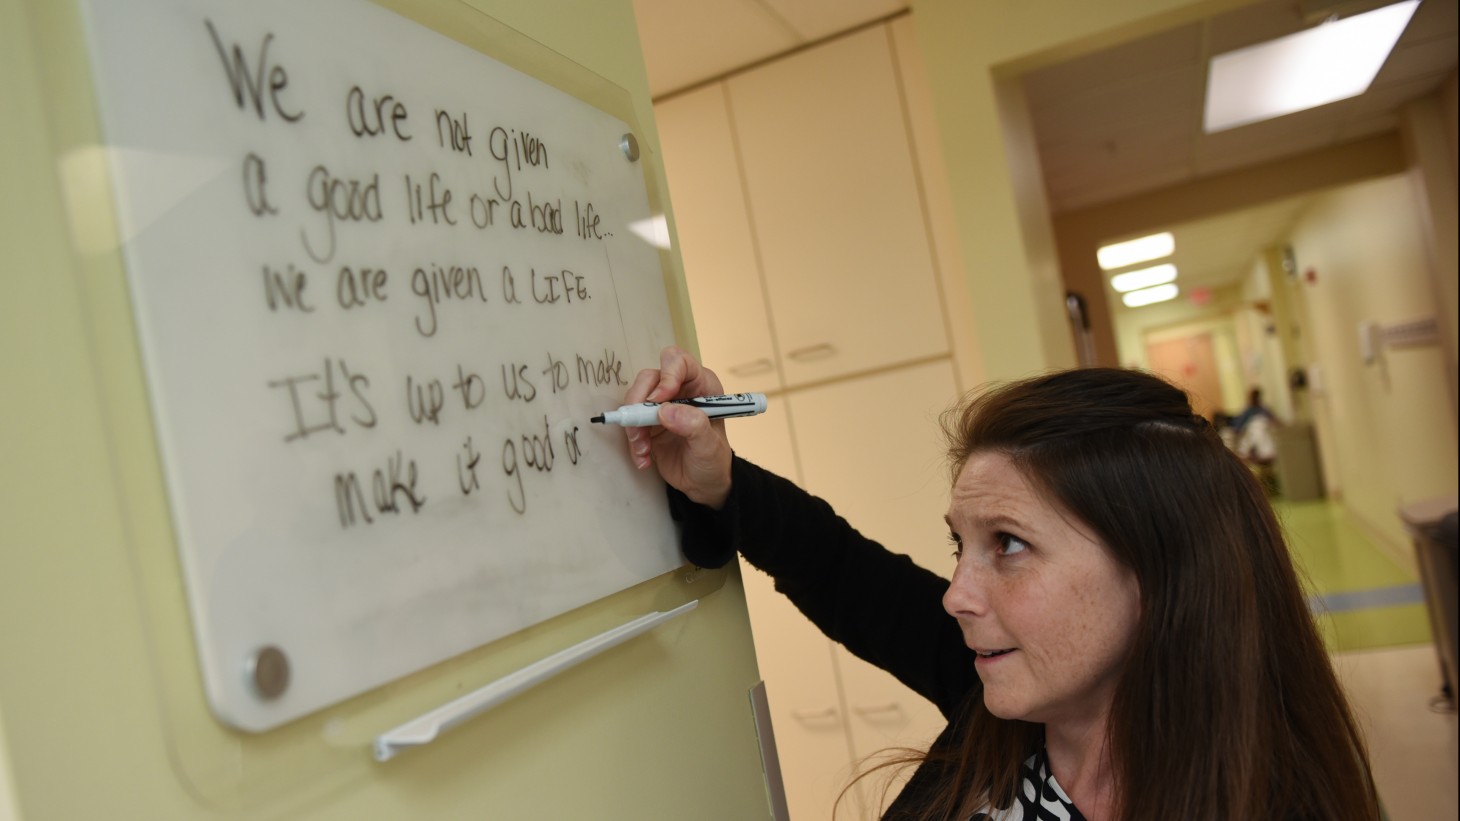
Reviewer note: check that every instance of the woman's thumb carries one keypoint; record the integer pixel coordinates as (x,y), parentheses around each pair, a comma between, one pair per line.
(695,428)
(684,421)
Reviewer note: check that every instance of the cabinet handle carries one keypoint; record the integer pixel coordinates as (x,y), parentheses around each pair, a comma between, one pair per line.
(869,712)
(828,714)
(812,353)
(752,368)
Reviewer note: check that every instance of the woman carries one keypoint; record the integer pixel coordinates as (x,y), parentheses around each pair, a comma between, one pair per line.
(1128,638)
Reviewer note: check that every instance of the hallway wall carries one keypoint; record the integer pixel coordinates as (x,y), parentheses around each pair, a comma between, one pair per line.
(1079,233)
(975,54)
(1386,429)
(103,714)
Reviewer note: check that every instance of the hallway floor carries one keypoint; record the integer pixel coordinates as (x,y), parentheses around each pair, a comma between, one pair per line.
(1373,617)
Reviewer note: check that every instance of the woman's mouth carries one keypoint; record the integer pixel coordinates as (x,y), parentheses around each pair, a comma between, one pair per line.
(990,655)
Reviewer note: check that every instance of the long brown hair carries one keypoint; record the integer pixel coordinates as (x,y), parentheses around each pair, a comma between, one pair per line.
(1228,706)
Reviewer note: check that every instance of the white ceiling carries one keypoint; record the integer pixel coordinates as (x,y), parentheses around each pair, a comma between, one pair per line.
(1128,120)
(1111,124)
(1218,251)
(689,41)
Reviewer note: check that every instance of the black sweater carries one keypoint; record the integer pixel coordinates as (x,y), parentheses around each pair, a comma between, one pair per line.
(878,604)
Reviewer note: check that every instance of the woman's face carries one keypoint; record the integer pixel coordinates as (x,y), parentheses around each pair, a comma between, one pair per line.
(1045,605)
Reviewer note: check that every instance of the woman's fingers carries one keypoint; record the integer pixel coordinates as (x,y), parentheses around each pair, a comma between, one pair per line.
(639,389)
(708,384)
(644,382)
(690,424)
(681,375)
(675,369)
(704,455)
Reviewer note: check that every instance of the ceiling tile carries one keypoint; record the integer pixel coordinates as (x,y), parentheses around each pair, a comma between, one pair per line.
(1150,158)
(1109,125)
(1139,139)
(1296,126)
(1074,198)
(1390,97)
(1178,119)
(815,19)
(1093,113)
(1155,54)
(1113,102)
(1367,126)
(1249,25)
(1216,162)
(688,42)
(1216,251)
(1211,272)
(1432,19)
(1417,59)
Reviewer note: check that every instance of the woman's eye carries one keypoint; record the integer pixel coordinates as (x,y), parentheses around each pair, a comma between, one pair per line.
(1010,545)
(957,545)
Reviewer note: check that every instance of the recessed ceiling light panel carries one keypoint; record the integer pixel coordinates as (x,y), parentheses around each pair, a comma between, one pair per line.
(1130,252)
(1150,296)
(1143,278)
(1330,62)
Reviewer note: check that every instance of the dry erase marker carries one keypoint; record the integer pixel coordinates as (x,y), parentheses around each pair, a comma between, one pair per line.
(723,406)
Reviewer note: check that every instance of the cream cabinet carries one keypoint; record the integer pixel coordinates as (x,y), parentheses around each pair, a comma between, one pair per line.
(802,219)
(843,242)
(818,251)
(871,447)
(798,663)
(712,220)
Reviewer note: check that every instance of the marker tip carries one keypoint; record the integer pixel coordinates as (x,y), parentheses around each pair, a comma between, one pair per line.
(597,419)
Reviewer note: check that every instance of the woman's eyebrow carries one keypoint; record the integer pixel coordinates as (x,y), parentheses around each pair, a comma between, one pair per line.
(996,521)
(992,521)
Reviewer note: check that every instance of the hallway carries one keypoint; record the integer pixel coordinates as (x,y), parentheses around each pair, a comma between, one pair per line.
(1372,615)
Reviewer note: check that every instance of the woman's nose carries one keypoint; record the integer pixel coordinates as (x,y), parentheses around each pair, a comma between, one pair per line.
(965,595)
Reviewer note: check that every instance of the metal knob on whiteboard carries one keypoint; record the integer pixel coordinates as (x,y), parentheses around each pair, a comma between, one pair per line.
(267,671)
(813,353)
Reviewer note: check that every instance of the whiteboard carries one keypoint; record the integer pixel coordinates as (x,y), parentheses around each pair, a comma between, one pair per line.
(381,281)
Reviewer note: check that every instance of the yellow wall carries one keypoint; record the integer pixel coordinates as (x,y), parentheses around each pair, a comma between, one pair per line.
(7,792)
(1387,430)
(1153,323)
(103,711)
(1413,213)
(1079,233)
(1429,128)
(974,52)
(1272,330)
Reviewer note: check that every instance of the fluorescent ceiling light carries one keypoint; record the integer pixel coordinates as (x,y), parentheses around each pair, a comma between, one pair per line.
(1330,62)
(1143,278)
(1149,296)
(1145,249)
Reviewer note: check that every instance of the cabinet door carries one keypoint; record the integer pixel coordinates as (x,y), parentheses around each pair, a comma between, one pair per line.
(715,240)
(795,659)
(938,196)
(808,714)
(836,210)
(873,448)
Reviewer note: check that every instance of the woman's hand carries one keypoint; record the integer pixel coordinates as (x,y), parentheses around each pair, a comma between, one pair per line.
(691,451)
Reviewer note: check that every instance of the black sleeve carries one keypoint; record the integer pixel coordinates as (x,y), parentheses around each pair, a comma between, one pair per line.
(880,605)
